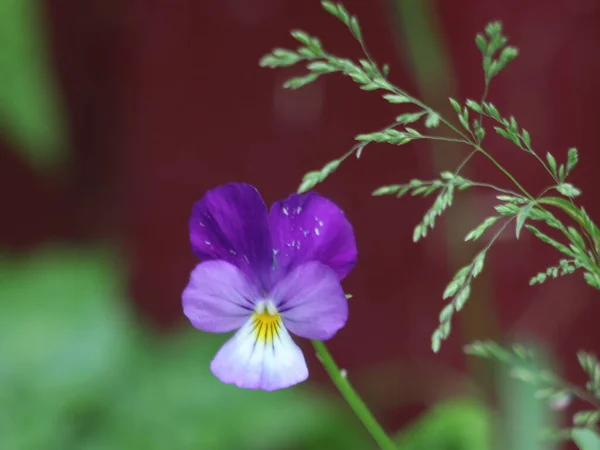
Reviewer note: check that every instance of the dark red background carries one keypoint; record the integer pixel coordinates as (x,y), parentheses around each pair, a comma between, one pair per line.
(166,100)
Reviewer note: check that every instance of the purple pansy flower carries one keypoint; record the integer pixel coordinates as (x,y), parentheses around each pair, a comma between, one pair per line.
(266,274)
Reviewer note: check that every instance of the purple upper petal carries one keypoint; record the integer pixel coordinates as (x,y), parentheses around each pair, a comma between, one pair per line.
(308,227)
(219,297)
(311,301)
(230,223)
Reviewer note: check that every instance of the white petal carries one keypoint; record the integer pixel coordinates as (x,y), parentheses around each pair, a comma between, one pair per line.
(258,359)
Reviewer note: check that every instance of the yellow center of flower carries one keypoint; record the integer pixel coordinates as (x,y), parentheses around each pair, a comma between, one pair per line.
(266,322)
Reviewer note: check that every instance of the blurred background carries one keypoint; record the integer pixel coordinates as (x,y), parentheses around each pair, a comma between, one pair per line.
(116,116)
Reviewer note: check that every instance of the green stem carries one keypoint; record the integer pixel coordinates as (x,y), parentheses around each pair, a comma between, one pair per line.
(422,105)
(465,139)
(504,171)
(569,211)
(445,139)
(351,396)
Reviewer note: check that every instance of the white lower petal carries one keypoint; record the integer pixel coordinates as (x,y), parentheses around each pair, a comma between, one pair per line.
(261,355)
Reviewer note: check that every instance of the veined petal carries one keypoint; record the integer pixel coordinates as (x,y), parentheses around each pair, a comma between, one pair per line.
(311,301)
(308,227)
(261,355)
(231,223)
(219,297)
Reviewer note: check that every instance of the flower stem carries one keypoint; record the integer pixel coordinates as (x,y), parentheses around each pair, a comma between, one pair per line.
(351,396)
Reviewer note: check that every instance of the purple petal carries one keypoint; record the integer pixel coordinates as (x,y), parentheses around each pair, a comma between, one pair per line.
(250,362)
(219,297)
(230,223)
(309,227)
(311,301)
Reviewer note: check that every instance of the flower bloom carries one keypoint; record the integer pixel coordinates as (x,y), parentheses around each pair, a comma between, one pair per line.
(266,274)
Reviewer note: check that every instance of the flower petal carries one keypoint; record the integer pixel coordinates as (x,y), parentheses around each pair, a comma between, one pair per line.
(308,227)
(260,360)
(230,223)
(219,297)
(311,301)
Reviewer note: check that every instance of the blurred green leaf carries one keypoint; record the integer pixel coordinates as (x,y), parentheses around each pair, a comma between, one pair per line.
(30,114)
(172,400)
(64,339)
(62,319)
(586,439)
(460,424)
(524,417)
